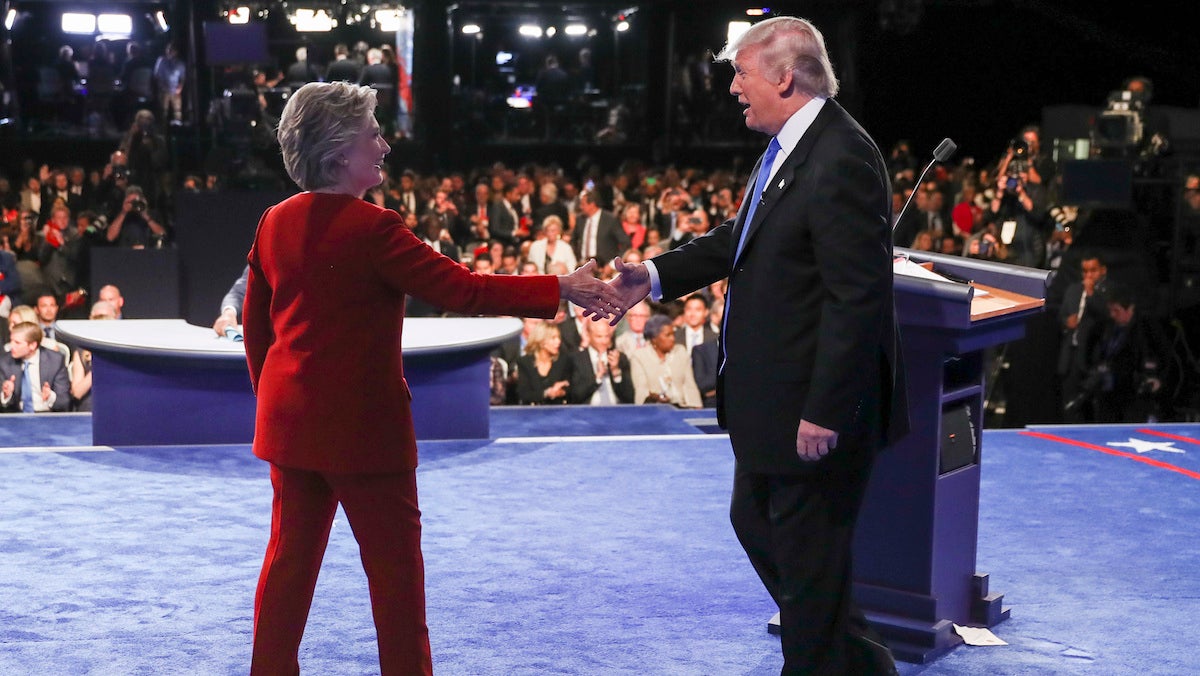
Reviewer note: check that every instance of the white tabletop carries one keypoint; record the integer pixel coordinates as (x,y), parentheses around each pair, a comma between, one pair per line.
(175,337)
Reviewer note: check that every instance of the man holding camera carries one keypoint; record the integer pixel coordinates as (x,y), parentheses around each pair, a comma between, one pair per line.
(135,226)
(1016,214)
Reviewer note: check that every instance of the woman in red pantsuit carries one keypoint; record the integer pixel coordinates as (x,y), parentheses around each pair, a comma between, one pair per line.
(323,317)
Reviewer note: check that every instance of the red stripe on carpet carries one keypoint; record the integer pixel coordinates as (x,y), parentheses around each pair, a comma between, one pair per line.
(1111,451)
(1176,437)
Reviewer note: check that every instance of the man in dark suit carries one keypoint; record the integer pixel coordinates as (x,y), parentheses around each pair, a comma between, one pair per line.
(502,215)
(811,386)
(1082,317)
(696,328)
(32,380)
(343,67)
(600,233)
(601,374)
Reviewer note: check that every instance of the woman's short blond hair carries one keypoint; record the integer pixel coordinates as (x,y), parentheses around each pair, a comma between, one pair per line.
(319,122)
(538,335)
(552,220)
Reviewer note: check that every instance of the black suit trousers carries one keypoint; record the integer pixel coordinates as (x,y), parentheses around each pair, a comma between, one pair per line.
(798,531)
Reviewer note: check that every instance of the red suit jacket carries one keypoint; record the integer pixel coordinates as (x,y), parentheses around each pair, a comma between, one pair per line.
(322,321)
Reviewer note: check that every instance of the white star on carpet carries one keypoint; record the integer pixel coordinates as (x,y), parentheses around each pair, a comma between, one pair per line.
(1143,446)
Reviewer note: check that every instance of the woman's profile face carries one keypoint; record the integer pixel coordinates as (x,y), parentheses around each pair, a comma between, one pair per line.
(364,159)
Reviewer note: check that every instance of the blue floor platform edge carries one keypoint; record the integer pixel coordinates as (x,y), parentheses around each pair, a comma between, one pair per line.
(574,541)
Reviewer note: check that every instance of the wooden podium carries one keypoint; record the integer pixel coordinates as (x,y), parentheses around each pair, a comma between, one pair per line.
(914,565)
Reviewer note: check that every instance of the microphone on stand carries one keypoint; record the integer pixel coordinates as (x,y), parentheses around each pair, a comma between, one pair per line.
(941,153)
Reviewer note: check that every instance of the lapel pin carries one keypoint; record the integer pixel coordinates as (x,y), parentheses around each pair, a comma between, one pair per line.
(781,182)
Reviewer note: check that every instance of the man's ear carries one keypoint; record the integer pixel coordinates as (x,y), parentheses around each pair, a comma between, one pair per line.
(785,82)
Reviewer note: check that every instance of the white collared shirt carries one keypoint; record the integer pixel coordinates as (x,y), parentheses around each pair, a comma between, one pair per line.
(788,136)
(35,376)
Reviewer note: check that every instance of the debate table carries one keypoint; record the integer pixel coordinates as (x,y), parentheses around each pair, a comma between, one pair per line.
(166,382)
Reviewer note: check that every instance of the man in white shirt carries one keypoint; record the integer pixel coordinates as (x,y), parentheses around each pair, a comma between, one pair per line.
(26,366)
(635,321)
(695,329)
(601,373)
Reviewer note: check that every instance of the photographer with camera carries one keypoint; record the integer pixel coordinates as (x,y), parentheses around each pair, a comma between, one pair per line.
(136,226)
(1016,215)
(1127,367)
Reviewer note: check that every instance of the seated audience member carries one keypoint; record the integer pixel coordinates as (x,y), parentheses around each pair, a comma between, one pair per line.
(551,247)
(81,363)
(109,293)
(600,374)
(34,380)
(1128,364)
(432,230)
(695,329)
(231,305)
(20,313)
(483,265)
(705,361)
(10,281)
(573,329)
(47,319)
(631,222)
(662,372)
(634,323)
(543,375)
(508,352)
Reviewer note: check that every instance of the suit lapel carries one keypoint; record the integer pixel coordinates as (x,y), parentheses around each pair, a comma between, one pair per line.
(785,177)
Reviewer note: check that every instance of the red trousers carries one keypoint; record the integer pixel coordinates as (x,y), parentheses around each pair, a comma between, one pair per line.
(383,513)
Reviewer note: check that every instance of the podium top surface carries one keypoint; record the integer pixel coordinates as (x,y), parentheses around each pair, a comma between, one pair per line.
(964,293)
(177,338)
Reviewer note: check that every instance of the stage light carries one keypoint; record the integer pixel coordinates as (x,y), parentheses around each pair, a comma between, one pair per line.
(162,21)
(530,31)
(309,21)
(735,30)
(78,23)
(758,11)
(471,29)
(115,24)
(239,15)
(622,26)
(388,20)
(575,29)
(551,31)
(10,19)
(503,58)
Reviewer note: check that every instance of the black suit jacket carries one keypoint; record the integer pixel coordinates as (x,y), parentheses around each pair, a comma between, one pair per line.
(52,368)
(705,361)
(611,238)
(681,335)
(502,223)
(810,328)
(583,379)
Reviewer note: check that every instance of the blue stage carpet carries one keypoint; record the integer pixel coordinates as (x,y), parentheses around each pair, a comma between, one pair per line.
(572,556)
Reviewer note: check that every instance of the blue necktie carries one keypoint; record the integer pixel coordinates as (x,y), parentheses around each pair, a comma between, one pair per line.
(764,172)
(26,389)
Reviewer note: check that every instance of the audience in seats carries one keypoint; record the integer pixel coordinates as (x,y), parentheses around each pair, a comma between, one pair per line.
(110,294)
(81,362)
(662,371)
(550,247)
(543,373)
(34,380)
(695,328)
(601,374)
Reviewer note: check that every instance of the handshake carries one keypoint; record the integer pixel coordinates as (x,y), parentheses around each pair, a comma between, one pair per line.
(601,300)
